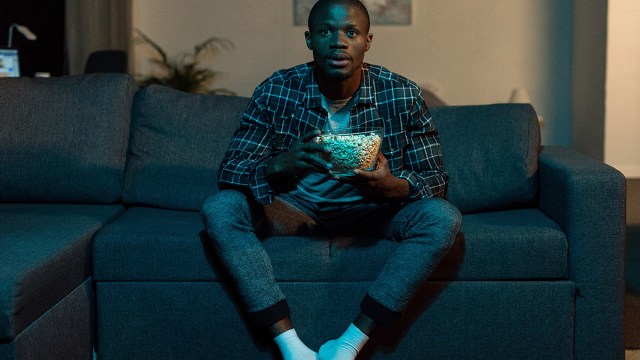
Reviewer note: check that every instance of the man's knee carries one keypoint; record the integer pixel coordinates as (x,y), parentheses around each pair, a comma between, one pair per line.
(446,213)
(224,206)
(441,214)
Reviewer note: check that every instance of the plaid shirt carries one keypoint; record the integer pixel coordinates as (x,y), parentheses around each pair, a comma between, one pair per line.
(288,105)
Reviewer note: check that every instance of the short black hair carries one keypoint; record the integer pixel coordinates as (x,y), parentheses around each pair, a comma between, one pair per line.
(321,4)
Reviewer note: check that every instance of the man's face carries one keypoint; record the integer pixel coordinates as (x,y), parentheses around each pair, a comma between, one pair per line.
(339,38)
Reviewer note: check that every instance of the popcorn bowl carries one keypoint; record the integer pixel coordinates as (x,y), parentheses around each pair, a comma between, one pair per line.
(351,148)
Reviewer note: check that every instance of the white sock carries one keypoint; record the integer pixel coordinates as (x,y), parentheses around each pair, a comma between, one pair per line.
(346,347)
(292,348)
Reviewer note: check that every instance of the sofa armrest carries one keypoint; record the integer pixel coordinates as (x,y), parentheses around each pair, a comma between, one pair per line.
(587,199)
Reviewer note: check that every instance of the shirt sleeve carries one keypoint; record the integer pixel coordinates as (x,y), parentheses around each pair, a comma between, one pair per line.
(245,163)
(423,165)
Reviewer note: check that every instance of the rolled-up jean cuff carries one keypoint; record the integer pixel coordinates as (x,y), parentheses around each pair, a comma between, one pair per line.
(378,312)
(269,316)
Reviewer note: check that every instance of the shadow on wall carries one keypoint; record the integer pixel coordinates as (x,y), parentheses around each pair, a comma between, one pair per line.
(633,259)
(559,68)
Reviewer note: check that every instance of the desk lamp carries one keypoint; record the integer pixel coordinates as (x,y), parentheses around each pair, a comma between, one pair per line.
(22,30)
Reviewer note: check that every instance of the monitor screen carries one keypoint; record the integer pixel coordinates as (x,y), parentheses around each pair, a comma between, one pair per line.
(9,65)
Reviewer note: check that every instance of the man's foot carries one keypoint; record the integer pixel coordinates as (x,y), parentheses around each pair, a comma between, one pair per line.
(292,348)
(346,347)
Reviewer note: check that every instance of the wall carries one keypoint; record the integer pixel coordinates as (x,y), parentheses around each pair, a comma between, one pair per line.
(467,52)
(622,105)
(589,61)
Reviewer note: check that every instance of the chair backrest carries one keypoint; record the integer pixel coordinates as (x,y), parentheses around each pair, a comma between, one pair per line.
(107,61)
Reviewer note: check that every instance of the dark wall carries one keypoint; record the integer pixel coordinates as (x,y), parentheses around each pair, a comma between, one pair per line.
(589,68)
(45,18)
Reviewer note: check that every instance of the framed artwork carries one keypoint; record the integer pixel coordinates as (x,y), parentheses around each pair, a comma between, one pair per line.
(381,12)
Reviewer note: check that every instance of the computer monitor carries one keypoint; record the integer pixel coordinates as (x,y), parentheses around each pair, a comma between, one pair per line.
(9,64)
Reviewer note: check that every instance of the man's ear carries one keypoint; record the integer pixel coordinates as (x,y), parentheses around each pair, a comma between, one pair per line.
(369,39)
(307,36)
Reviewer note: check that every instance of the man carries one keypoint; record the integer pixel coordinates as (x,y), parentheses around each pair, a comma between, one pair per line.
(274,180)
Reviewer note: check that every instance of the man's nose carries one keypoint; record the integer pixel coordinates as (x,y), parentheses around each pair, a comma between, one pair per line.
(339,41)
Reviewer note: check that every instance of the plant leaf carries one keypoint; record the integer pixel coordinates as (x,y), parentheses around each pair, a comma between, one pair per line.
(184,73)
(145,39)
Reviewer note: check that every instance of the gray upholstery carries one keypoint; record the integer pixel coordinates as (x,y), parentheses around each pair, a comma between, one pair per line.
(43,245)
(101,192)
(65,331)
(177,142)
(491,155)
(64,139)
(63,144)
(448,320)
(587,200)
(149,244)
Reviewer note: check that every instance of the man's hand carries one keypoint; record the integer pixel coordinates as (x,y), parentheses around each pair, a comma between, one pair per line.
(380,182)
(303,156)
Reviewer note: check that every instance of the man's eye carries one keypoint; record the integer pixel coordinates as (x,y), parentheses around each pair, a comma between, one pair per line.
(352,33)
(324,32)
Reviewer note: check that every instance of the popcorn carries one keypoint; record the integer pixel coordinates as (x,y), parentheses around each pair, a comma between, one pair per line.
(351,151)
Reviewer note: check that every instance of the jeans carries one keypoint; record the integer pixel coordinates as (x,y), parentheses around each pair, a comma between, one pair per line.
(425,229)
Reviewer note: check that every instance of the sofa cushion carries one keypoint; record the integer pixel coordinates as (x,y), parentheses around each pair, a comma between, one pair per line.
(65,331)
(177,142)
(64,139)
(491,155)
(45,253)
(147,244)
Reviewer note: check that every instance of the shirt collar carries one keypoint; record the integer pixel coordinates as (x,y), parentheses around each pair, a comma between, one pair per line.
(313,97)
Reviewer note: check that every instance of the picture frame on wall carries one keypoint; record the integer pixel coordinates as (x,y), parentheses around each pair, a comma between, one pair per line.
(381,12)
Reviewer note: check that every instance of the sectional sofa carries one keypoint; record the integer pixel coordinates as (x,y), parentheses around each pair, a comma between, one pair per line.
(102,247)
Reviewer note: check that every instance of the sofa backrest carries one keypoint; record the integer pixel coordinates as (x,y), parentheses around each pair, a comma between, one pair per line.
(177,142)
(64,139)
(491,155)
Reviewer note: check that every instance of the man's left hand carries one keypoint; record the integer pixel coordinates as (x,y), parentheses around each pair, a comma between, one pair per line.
(380,182)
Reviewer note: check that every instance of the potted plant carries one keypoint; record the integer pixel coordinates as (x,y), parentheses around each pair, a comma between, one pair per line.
(184,71)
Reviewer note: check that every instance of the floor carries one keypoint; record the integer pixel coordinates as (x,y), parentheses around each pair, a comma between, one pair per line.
(632,296)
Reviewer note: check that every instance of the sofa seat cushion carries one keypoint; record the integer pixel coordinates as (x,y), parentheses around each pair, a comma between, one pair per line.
(64,140)
(152,244)
(149,244)
(178,140)
(507,245)
(45,253)
(491,155)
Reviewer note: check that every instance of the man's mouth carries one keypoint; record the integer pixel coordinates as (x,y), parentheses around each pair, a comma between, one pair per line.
(338,60)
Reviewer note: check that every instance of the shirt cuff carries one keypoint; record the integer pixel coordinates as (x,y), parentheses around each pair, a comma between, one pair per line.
(417,189)
(260,188)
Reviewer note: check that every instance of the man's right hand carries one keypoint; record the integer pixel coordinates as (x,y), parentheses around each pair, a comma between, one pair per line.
(303,156)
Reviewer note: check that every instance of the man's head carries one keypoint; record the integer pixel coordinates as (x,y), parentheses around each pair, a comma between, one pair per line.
(319,5)
(339,36)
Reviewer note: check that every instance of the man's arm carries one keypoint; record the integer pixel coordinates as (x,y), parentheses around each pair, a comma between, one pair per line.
(252,163)
(422,173)
(423,167)
(246,160)
(302,156)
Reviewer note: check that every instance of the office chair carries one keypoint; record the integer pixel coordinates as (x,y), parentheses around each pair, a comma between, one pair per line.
(107,61)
